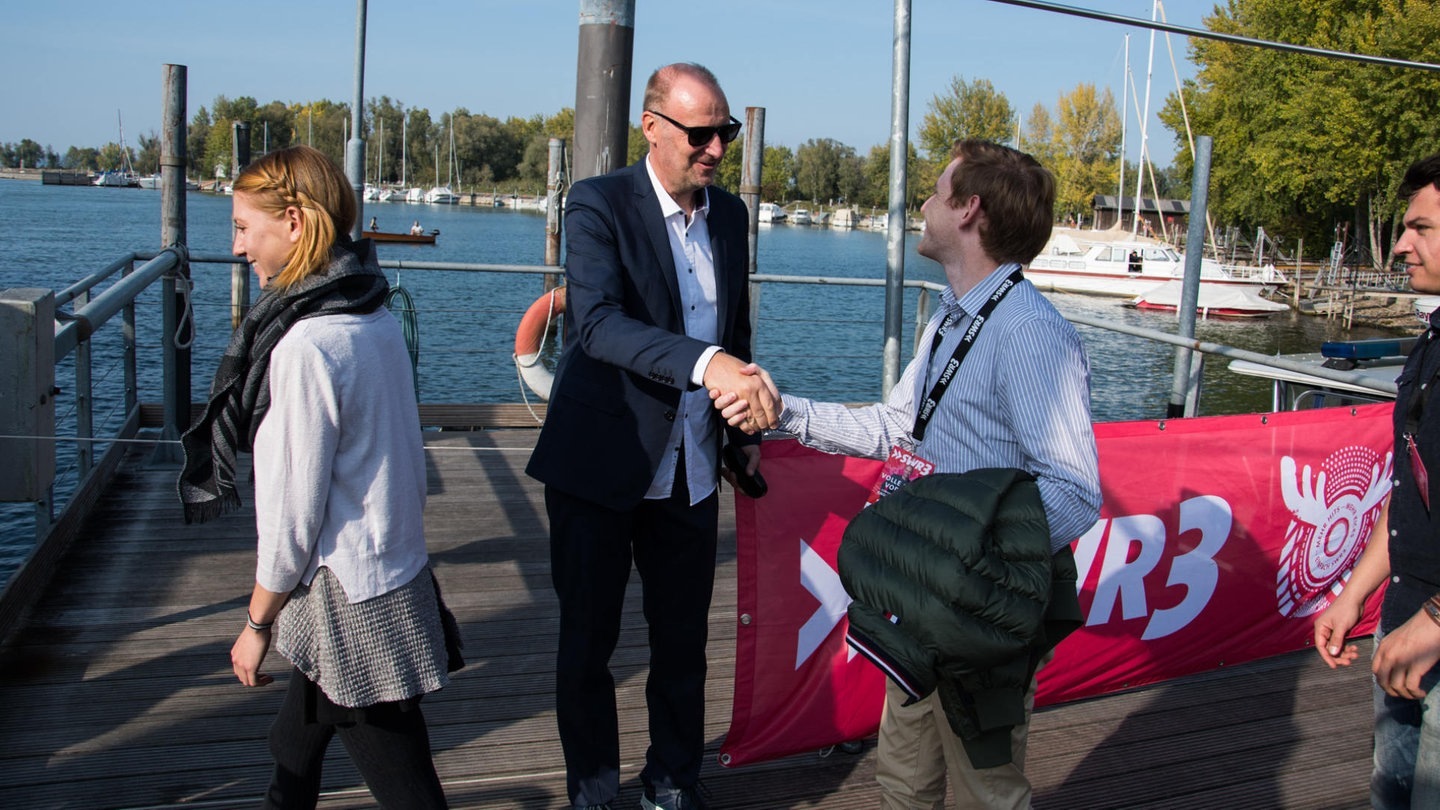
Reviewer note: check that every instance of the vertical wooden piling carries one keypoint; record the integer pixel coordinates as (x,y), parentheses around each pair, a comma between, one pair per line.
(174,287)
(752,170)
(239,273)
(553,188)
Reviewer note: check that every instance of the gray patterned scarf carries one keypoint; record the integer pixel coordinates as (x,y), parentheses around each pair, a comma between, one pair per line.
(240,394)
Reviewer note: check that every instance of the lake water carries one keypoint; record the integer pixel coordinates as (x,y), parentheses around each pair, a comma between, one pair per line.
(818,341)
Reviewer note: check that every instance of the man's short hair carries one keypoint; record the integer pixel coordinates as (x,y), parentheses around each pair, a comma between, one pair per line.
(1422,173)
(657,89)
(1016,193)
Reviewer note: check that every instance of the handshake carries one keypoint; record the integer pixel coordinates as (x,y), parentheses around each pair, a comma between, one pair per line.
(743,393)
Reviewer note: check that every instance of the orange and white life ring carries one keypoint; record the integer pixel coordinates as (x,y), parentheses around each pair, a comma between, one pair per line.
(530,339)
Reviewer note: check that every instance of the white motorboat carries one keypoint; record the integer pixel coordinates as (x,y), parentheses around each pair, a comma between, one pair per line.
(1131,268)
(415,195)
(116,178)
(845,218)
(441,195)
(153,181)
(801,216)
(1213,301)
(770,212)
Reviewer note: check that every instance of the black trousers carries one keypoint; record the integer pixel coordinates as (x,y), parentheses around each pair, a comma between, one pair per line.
(388,743)
(672,545)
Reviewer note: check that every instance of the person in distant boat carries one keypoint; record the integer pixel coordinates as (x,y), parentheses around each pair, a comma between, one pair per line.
(630,450)
(1403,550)
(374,225)
(1136,265)
(316,385)
(415,229)
(1005,383)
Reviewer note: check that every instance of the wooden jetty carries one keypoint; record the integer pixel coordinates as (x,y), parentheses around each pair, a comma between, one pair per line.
(118,691)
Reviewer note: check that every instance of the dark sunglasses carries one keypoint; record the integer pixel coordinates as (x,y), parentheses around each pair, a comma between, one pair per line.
(700,136)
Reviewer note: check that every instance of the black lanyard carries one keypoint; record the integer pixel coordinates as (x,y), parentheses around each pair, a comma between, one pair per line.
(932,401)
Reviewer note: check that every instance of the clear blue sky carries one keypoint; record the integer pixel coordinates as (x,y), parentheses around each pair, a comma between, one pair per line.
(821,68)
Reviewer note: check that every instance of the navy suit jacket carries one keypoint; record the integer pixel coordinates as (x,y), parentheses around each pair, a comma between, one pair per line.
(626,358)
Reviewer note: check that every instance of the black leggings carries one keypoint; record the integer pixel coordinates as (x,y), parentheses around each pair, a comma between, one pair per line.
(388,742)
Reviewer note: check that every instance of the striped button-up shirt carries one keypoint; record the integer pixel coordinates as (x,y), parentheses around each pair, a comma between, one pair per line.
(1020,399)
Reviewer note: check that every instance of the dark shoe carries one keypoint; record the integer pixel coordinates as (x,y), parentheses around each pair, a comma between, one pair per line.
(673,798)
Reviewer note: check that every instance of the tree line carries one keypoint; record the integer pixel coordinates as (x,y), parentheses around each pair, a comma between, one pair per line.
(1306,147)
(1312,147)
(510,155)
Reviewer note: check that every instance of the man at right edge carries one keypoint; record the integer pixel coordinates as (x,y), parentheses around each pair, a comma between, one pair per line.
(1404,547)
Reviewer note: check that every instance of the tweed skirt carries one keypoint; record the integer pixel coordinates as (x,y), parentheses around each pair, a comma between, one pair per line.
(381,650)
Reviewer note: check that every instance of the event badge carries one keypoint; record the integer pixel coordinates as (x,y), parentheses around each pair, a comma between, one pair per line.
(902,467)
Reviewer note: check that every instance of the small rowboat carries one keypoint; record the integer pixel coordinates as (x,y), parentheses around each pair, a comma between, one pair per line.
(402,238)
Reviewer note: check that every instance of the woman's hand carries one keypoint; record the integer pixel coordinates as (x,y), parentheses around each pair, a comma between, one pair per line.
(248,654)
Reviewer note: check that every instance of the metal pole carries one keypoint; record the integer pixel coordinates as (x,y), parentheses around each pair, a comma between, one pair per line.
(355,149)
(1190,292)
(553,190)
(175,287)
(602,86)
(895,224)
(239,273)
(751,172)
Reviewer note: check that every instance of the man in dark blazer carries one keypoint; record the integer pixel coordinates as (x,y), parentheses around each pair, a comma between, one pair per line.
(657,315)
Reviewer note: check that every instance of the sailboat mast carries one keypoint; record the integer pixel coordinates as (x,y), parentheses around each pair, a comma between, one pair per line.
(1124,120)
(1145,120)
(404,138)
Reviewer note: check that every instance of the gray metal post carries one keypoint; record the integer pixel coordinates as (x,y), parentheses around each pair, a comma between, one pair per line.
(174,287)
(239,147)
(895,225)
(239,273)
(602,86)
(1190,291)
(752,171)
(553,188)
(355,149)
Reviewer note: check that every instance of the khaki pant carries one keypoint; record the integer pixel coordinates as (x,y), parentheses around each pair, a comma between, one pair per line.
(918,750)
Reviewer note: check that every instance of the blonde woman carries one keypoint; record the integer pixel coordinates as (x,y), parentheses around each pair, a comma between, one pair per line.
(315,383)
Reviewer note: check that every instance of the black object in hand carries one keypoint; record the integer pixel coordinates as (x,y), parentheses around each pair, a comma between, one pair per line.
(737,461)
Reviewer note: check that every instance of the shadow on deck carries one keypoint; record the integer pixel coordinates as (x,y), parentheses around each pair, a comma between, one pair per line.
(118,691)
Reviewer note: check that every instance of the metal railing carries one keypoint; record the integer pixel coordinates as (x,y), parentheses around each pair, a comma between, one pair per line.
(90,312)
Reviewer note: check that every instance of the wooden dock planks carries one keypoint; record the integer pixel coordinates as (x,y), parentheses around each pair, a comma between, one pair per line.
(118,691)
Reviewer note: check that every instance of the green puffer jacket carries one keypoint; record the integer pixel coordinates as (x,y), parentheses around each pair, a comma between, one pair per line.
(955,589)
